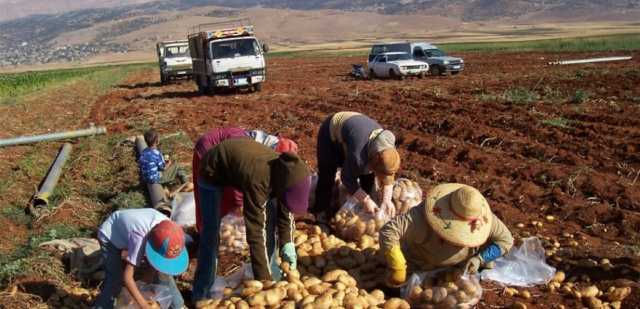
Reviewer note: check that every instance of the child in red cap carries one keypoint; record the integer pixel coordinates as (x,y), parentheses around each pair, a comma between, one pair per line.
(131,235)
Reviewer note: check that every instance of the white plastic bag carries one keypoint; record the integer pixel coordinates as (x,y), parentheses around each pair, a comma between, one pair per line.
(406,195)
(183,209)
(232,281)
(233,236)
(524,266)
(443,288)
(151,292)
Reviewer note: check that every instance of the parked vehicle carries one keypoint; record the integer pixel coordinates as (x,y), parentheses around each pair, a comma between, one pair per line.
(174,60)
(396,65)
(439,62)
(227,55)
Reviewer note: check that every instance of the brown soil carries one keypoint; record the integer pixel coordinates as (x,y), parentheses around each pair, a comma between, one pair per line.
(458,129)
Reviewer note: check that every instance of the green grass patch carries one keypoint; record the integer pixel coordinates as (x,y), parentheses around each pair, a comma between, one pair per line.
(127,200)
(580,96)
(520,96)
(559,122)
(15,214)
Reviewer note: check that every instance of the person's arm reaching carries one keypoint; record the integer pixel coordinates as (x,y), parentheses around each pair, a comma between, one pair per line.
(285,235)
(390,245)
(130,284)
(500,242)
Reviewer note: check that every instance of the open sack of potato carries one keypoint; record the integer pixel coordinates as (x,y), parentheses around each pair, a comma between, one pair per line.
(352,222)
(233,239)
(158,296)
(406,195)
(448,288)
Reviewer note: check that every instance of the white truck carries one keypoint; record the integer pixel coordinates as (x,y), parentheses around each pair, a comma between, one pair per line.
(174,60)
(227,55)
(397,65)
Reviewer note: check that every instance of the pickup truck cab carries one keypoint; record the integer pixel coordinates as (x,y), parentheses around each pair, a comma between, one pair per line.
(227,55)
(174,60)
(396,65)
(439,62)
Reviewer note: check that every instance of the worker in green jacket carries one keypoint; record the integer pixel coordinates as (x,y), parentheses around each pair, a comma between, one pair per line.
(274,185)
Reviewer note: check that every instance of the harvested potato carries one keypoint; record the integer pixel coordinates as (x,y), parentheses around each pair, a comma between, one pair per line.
(406,195)
(447,290)
(396,303)
(618,294)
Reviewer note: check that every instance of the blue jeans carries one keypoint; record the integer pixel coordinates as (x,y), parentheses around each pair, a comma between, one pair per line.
(113,283)
(210,199)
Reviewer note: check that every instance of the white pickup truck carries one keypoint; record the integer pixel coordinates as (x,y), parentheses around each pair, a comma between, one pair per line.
(397,65)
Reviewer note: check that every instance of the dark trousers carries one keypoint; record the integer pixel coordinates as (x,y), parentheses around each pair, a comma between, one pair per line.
(210,200)
(330,156)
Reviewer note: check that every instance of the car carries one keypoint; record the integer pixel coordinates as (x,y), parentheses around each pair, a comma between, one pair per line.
(439,62)
(396,65)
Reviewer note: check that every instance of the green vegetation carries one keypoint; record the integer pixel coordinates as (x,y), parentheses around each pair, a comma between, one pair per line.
(558,122)
(519,96)
(580,96)
(618,42)
(15,85)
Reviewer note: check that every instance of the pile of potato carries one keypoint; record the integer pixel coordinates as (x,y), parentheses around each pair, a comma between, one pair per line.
(336,288)
(233,236)
(72,297)
(447,290)
(406,195)
(319,253)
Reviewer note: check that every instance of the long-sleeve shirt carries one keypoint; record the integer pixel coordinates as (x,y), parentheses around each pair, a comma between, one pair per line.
(215,136)
(424,250)
(151,164)
(353,131)
(246,165)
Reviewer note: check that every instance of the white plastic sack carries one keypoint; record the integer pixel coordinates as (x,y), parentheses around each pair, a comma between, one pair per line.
(524,266)
(406,195)
(151,292)
(232,281)
(233,236)
(183,209)
(443,288)
(352,221)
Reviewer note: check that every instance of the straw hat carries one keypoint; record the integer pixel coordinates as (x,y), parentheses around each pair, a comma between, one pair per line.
(459,214)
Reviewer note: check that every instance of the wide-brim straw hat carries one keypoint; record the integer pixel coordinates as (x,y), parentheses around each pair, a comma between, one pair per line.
(459,214)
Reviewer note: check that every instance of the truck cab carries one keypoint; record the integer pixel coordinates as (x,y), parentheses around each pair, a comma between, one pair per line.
(174,60)
(227,57)
(439,62)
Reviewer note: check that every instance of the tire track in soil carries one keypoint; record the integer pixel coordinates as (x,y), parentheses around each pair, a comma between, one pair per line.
(526,169)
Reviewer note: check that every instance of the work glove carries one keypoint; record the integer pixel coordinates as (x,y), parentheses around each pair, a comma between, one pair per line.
(367,202)
(473,265)
(396,267)
(387,206)
(288,254)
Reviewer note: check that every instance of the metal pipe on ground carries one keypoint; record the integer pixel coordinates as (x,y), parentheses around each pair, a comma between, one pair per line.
(156,192)
(591,60)
(41,199)
(52,136)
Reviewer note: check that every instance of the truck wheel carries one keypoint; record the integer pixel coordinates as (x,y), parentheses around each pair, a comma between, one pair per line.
(421,75)
(163,79)
(257,87)
(372,74)
(394,75)
(435,70)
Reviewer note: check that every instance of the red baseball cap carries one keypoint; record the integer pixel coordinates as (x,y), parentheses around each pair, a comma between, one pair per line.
(165,248)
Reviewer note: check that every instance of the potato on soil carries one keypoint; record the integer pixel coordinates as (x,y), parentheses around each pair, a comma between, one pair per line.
(618,294)
(268,298)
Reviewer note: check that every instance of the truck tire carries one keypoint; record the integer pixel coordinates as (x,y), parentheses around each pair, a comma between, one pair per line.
(163,79)
(257,87)
(435,70)
(372,74)
(394,75)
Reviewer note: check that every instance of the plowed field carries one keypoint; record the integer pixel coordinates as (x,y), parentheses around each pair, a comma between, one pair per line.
(537,140)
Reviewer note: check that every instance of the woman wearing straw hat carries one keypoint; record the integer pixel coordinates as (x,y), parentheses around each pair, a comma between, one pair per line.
(364,151)
(454,226)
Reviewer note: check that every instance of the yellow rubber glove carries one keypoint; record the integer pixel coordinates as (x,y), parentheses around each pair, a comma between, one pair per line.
(397,265)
